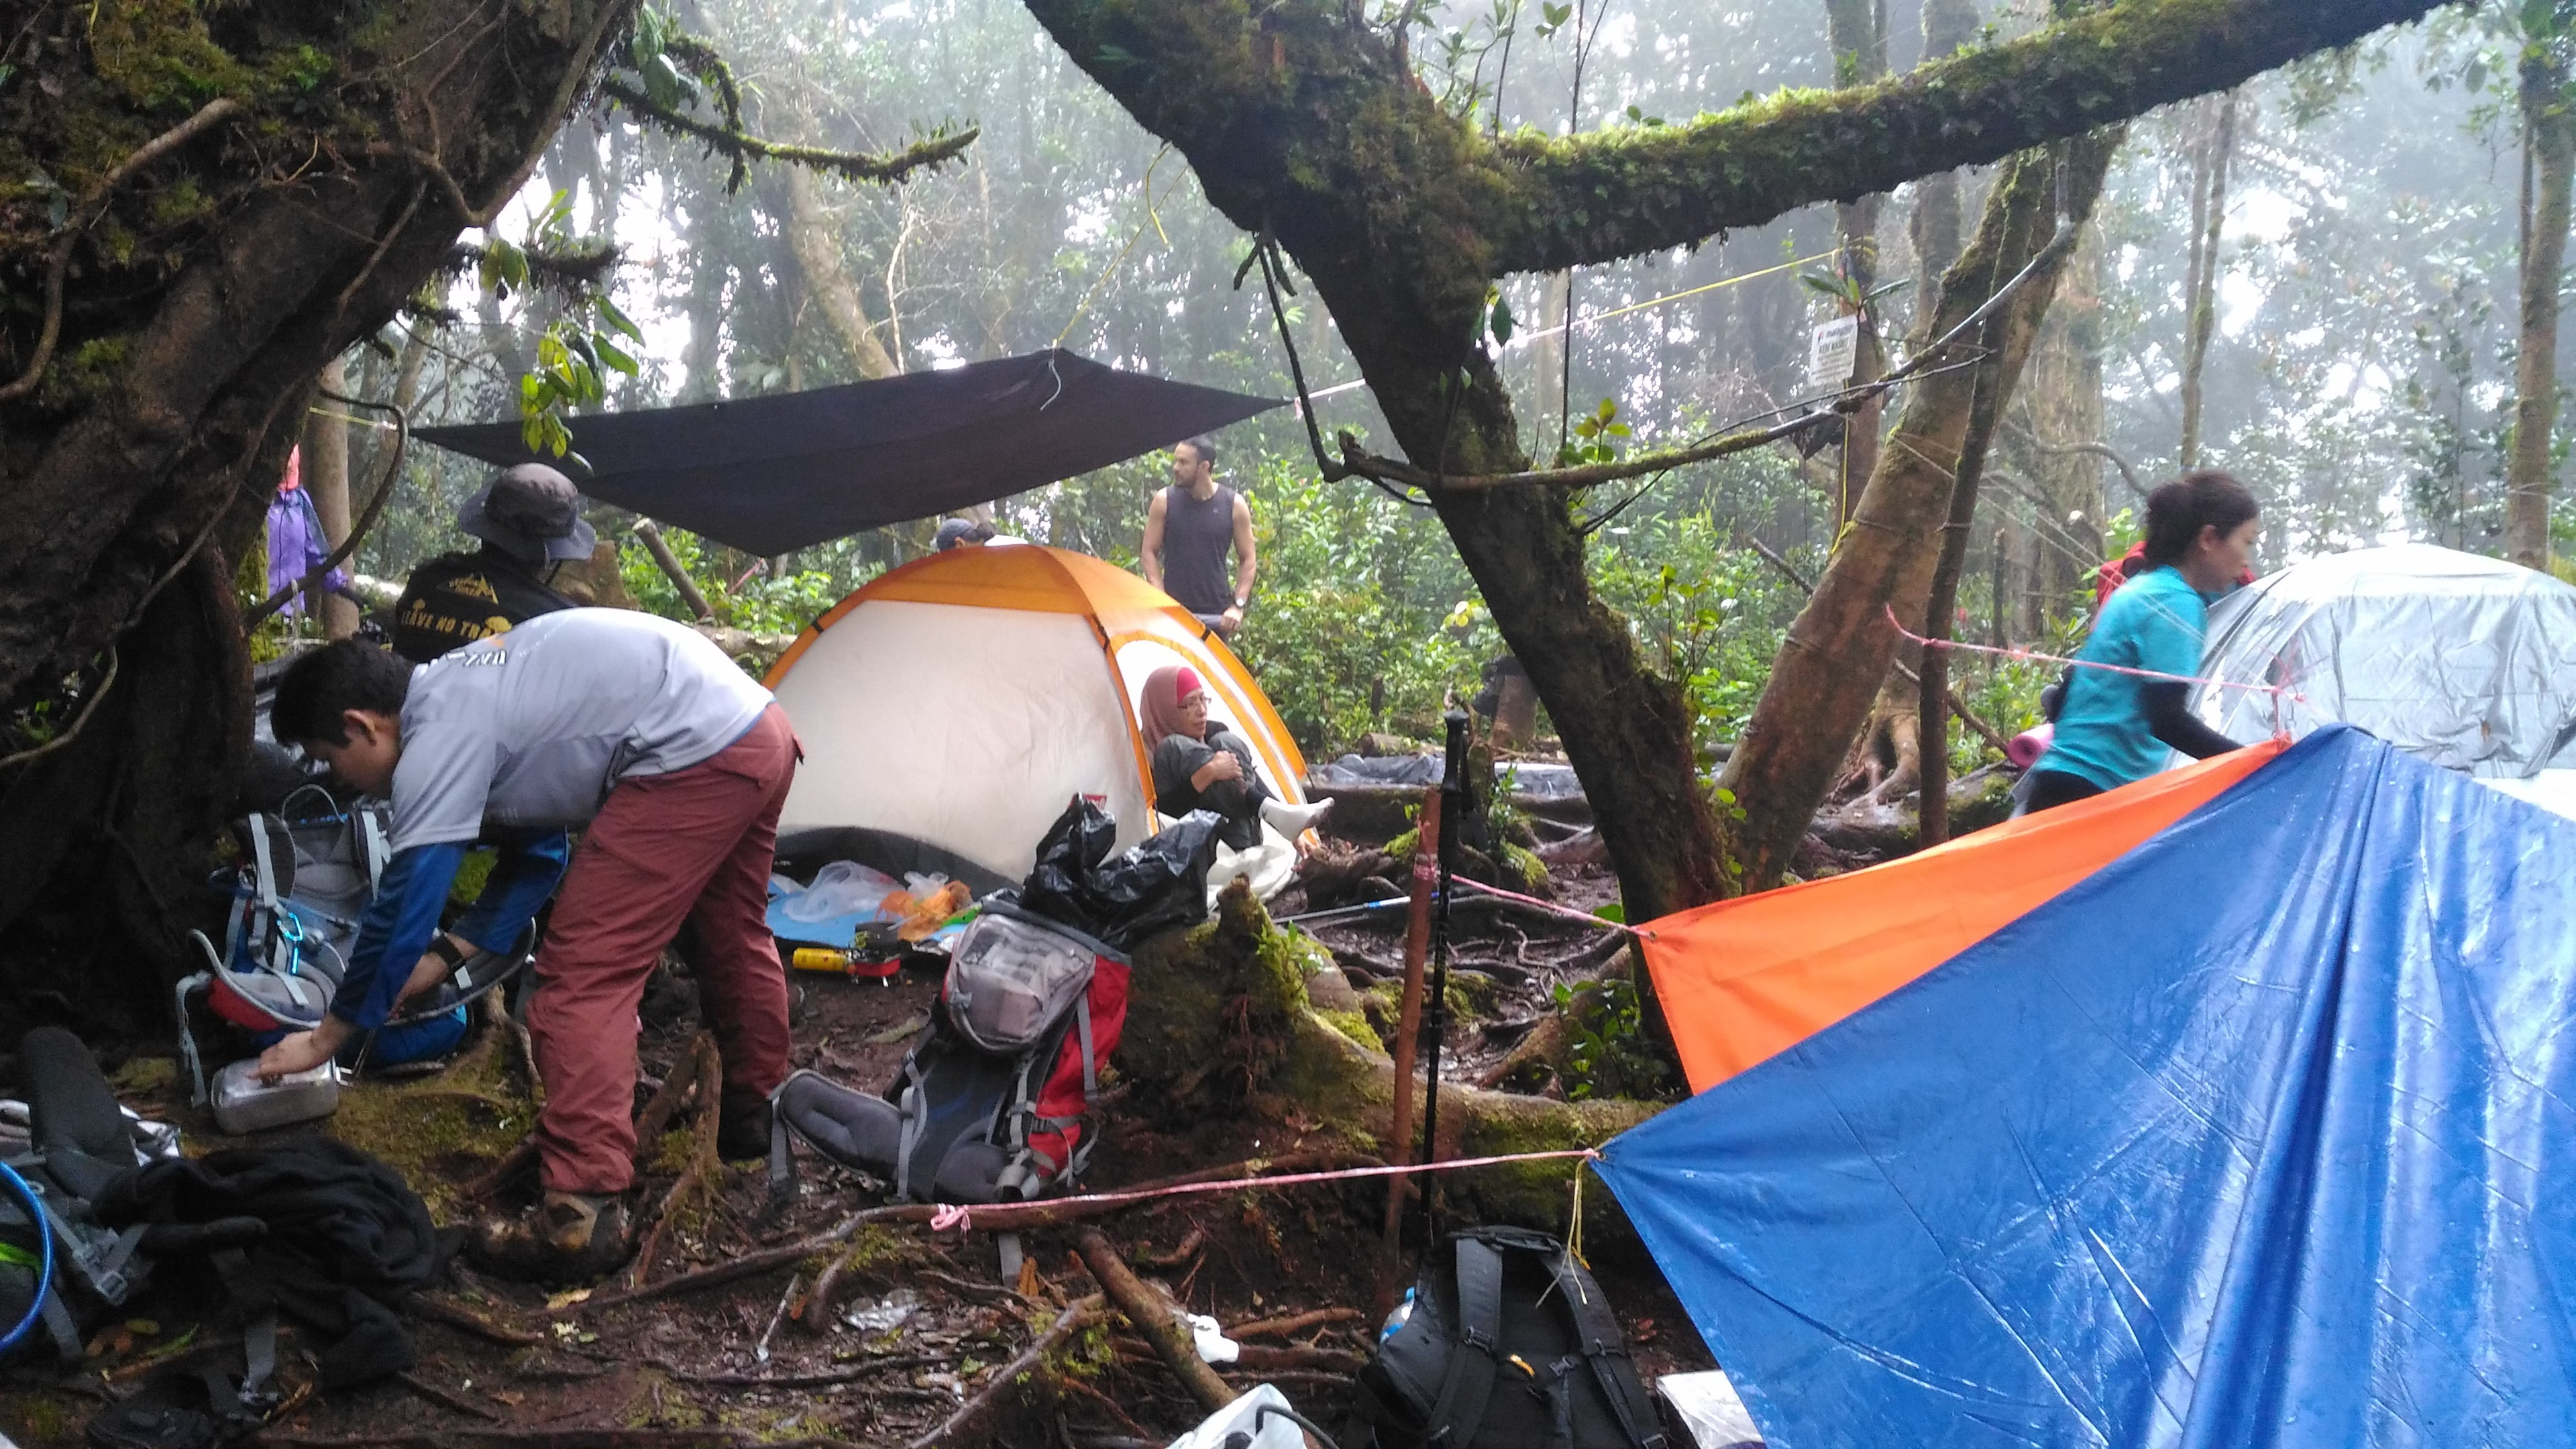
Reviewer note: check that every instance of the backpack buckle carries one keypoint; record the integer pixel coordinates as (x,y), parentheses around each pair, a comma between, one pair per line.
(1479,1340)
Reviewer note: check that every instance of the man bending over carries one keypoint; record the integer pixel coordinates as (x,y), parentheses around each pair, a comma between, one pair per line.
(648,735)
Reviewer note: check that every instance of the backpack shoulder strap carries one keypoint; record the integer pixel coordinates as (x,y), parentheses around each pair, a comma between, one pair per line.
(1597,1334)
(1469,1383)
(375,848)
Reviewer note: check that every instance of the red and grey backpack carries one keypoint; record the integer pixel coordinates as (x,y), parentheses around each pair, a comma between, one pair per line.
(306,876)
(995,1104)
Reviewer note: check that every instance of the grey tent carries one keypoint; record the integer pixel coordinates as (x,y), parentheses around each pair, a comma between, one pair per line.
(770,474)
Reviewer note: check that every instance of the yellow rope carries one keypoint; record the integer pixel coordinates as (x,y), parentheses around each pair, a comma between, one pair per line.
(1151,219)
(1718,285)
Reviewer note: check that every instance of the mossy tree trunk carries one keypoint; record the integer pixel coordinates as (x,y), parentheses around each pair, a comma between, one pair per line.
(2549,176)
(1308,127)
(290,207)
(1828,672)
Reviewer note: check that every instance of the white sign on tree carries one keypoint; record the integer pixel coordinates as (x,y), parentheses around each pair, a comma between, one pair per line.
(1833,354)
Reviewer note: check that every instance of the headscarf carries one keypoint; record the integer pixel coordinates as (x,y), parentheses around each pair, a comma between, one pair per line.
(1165,688)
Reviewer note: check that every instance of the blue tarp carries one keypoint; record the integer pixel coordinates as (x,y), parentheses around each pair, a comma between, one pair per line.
(2247,1140)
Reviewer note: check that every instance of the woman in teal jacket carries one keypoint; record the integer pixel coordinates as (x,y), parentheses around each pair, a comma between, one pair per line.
(2115,728)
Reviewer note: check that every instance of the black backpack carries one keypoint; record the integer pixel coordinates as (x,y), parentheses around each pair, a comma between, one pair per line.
(1515,1348)
(81,1140)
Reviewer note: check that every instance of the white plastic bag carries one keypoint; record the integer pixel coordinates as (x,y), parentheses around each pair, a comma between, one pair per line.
(843,888)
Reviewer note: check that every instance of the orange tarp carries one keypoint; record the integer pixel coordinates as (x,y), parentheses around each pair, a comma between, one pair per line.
(1744,980)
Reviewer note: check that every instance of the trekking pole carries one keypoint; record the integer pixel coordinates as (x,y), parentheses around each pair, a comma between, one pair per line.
(1408,1031)
(1453,788)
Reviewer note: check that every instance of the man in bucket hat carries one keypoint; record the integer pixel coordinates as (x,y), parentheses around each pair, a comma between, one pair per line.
(529,519)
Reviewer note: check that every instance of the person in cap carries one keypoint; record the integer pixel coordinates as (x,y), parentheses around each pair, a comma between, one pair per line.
(529,519)
(964,533)
(673,764)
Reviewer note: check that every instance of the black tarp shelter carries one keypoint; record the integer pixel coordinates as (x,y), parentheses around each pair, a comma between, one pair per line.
(771,474)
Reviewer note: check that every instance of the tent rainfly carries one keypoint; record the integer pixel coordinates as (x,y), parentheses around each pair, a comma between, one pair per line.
(768,475)
(964,699)
(2220,1110)
(2466,662)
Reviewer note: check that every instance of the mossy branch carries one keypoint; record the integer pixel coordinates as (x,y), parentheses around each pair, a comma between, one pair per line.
(744,147)
(1606,195)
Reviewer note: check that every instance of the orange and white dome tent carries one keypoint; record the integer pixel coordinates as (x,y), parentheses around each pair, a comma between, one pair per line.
(964,699)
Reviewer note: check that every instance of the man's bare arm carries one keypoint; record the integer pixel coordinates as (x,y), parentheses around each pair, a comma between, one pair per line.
(1150,557)
(1247,558)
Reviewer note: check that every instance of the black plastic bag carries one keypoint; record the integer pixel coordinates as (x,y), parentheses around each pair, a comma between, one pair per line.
(1160,883)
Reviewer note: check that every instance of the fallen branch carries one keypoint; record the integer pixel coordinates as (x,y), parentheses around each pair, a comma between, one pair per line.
(1263,1358)
(445,1399)
(1294,1323)
(851,1374)
(187,1344)
(1153,1317)
(1076,1317)
(455,1315)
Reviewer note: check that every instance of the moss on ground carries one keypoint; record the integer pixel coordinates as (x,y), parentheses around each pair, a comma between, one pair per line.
(440,1131)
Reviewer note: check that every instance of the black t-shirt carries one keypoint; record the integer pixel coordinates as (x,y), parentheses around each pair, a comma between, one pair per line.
(457,598)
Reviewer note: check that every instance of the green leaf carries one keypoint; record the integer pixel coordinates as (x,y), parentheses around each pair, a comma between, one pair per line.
(613,355)
(1615,912)
(1502,323)
(609,314)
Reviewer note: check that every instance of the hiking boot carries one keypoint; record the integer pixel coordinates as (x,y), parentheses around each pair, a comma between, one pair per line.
(742,1127)
(569,1238)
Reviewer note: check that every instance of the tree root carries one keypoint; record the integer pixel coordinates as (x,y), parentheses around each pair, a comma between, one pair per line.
(702,1174)
(712,1437)
(1153,1317)
(1544,1047)
(455,1315)
(1077,1316)
(1112,1407)
(993,1219)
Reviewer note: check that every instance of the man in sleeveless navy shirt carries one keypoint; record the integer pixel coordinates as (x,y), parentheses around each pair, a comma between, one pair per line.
(1188,530)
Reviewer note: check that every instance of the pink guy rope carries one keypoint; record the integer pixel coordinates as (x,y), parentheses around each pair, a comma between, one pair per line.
(960,1215)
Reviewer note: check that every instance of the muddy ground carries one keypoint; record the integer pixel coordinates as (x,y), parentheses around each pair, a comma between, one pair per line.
(920,1321)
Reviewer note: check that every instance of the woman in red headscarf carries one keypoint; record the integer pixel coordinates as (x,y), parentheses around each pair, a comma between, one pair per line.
(1199,764)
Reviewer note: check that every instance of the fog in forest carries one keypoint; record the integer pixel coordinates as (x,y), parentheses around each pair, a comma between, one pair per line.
(2358,374)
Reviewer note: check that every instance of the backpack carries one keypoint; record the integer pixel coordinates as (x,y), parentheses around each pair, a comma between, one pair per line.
(296,899)
(80,1140)
(1515,1348)
(994,1105)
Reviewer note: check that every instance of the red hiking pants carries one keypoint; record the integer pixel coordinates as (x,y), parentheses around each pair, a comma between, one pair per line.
(688,849)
